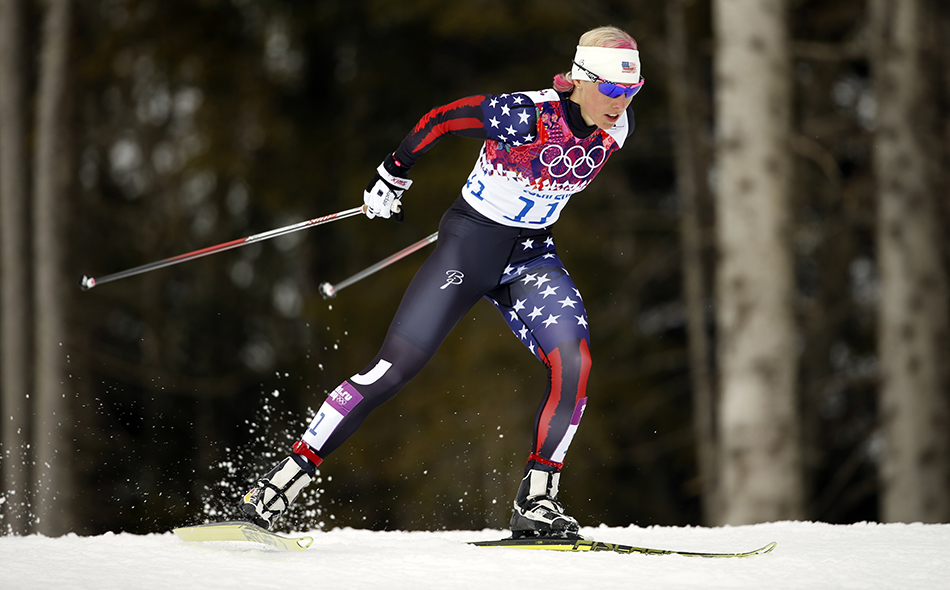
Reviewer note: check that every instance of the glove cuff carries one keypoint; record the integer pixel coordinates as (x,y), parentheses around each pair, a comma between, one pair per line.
(395,167)
(399,183)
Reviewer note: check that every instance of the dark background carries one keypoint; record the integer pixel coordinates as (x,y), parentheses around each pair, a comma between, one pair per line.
(197,123)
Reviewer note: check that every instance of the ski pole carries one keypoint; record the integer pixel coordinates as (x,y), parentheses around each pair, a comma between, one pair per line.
(328,291)
(87,282)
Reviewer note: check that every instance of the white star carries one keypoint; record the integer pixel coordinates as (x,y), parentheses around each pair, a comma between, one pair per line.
(508,269)
(567,302)
(519,305)
(581,321)
(543,279)
(493,103)
(523,332)
(531,348)
(524,117)
(549,241)
(520,270)
(510,130)
(529,138)
(528,244)
(578,293)
(519,99)
(548,255)
(536,312)
(552,319)
(494,122)
(505,110)
(528,278)
(551,290)
(516,143)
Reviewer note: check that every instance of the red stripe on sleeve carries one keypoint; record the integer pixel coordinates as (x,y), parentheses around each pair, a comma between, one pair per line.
(451,118)
(470,101)
(450,126)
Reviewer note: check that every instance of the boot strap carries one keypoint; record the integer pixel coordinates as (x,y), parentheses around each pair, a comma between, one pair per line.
(280,492)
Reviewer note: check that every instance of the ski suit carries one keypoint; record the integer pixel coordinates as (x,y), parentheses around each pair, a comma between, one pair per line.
(495,242)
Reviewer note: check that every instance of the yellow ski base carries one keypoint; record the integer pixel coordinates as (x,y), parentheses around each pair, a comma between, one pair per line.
(241,531)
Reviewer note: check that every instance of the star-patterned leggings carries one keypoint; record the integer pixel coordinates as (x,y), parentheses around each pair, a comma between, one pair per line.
(520,272)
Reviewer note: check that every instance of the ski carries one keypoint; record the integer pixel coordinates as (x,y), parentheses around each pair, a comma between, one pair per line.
(576,545)
(241,531)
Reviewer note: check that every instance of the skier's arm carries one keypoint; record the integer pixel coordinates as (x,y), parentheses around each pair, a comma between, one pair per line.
(505,118)
(477,117)
(463,117)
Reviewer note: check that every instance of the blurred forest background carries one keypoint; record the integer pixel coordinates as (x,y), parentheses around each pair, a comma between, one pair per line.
(135,130)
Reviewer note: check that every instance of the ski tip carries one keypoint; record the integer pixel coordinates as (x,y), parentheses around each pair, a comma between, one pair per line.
(755,552)
(86,282)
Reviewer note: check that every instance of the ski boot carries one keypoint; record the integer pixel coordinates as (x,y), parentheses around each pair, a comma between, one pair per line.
(276,491)
(537,513)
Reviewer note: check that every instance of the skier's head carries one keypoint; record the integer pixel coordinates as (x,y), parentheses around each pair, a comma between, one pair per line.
(602,37)
(605,75)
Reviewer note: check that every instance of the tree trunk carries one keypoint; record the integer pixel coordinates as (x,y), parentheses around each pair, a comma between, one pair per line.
(686,98)
(760,455)
(52,432)
(913,322)
(14,271)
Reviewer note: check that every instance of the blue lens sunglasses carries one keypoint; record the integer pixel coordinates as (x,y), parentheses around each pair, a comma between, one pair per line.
(611,89)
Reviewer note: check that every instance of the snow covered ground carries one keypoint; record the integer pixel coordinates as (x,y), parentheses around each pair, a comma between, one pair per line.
(808,555)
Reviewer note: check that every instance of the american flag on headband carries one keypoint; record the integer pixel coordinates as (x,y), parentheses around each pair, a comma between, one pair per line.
(628,67)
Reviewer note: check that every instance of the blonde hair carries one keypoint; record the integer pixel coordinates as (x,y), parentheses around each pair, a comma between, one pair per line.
(607,36)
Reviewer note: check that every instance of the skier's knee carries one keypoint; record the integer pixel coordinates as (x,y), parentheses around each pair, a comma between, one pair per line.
(576,357)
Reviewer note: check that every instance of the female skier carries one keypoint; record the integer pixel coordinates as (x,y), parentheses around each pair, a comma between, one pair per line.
(540,148)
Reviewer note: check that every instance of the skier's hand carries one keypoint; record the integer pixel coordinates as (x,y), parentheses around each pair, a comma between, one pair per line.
(384,190)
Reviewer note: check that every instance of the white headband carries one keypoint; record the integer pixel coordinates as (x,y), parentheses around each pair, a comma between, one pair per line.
(614,64)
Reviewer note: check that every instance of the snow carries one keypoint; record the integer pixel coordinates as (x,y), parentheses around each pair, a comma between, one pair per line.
(809,555)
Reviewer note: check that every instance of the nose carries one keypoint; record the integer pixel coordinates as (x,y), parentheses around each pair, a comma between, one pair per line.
(624,101)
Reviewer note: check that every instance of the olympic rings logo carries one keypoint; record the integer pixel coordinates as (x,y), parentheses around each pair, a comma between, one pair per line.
(581,163)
